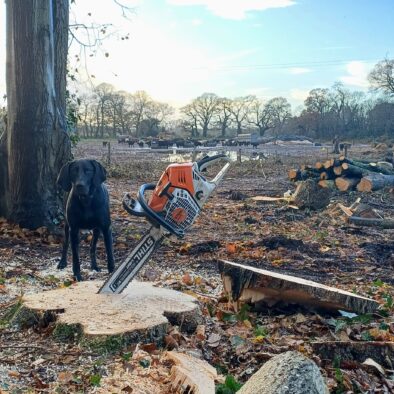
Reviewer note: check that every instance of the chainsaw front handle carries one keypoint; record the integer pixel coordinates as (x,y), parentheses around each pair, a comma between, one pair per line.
(208,161)
(151,214)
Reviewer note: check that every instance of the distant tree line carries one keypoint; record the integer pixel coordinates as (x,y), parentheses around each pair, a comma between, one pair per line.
(326,112)
(106,112)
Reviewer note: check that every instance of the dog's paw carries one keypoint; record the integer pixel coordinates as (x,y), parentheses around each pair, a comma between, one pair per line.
(95,268)
(62,264)
(78,277)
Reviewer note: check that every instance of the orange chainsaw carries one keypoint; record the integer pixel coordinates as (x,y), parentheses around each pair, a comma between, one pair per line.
(172,208)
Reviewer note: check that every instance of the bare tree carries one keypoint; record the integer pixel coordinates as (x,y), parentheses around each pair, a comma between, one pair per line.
(205,107)
(140,105)
(382,76)
(190,122)
(223,114)
(240,110)
(261,116)
(35,144)
(280,111)
(161,111)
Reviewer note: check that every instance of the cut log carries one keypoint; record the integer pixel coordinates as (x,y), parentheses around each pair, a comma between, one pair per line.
(371,222)
(141,313)
(374,182)
(319,165)
(191,375)
(328,164)
(286,373)
(370,167)
(338,170)
(302,175)
(344,183)
(327,184)
(293,174)
(248,284)
(354,171)
(324,175)
(381,352)
(309,194)
(335,163)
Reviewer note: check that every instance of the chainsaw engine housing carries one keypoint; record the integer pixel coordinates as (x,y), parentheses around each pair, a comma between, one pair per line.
(180,194)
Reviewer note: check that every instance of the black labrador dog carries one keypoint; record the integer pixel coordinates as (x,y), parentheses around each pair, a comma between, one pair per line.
(87,207)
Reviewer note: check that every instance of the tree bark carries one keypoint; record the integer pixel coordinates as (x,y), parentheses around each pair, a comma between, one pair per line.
(36,143)
(248,284)
(286,373)
(373,182)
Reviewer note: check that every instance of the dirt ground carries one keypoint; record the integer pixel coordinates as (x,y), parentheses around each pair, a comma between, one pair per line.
(309,244)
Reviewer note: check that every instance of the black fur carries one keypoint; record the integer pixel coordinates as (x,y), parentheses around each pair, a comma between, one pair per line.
(87,208)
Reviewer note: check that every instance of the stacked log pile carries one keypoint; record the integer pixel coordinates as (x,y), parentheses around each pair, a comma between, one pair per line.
(346,174)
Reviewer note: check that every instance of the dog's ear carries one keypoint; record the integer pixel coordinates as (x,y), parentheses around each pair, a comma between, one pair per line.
(100,174)
(63,179)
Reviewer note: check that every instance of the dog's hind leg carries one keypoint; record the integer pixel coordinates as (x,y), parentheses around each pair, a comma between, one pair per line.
(74,237)
(93,244)
(107,233)
(63,261)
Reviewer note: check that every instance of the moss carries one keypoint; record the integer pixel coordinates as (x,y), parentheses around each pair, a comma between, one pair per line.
(105,344)
(18,315)
(67,332)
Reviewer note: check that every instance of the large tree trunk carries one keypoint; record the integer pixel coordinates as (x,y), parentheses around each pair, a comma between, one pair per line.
(36,143)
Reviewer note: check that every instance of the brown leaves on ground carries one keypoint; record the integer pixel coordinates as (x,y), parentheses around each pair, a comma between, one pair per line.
(270,236)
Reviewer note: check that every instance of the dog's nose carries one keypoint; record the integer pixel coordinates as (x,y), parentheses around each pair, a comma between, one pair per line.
(80,187)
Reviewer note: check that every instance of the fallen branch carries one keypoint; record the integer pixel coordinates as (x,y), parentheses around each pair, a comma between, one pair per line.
(372,222)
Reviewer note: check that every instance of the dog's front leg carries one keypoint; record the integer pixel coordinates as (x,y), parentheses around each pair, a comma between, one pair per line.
(93,244)
(107,233)
(63,261)
(74,236)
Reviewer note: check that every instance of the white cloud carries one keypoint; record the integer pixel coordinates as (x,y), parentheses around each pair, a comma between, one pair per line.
(299,70)
(357,74)
(197,22)
(299,94)
(261,92)
(234,9)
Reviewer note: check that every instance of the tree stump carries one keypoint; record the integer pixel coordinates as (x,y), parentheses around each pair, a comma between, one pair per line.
(310,195)
(286,373)
(141,313)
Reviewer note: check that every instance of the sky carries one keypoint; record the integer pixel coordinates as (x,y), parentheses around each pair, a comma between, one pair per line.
(179,49)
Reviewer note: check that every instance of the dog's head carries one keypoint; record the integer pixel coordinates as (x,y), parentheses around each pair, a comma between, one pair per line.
(81,175)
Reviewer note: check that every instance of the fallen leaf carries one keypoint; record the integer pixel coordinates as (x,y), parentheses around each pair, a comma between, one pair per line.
(214,340)
(370,362)
(187,279)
